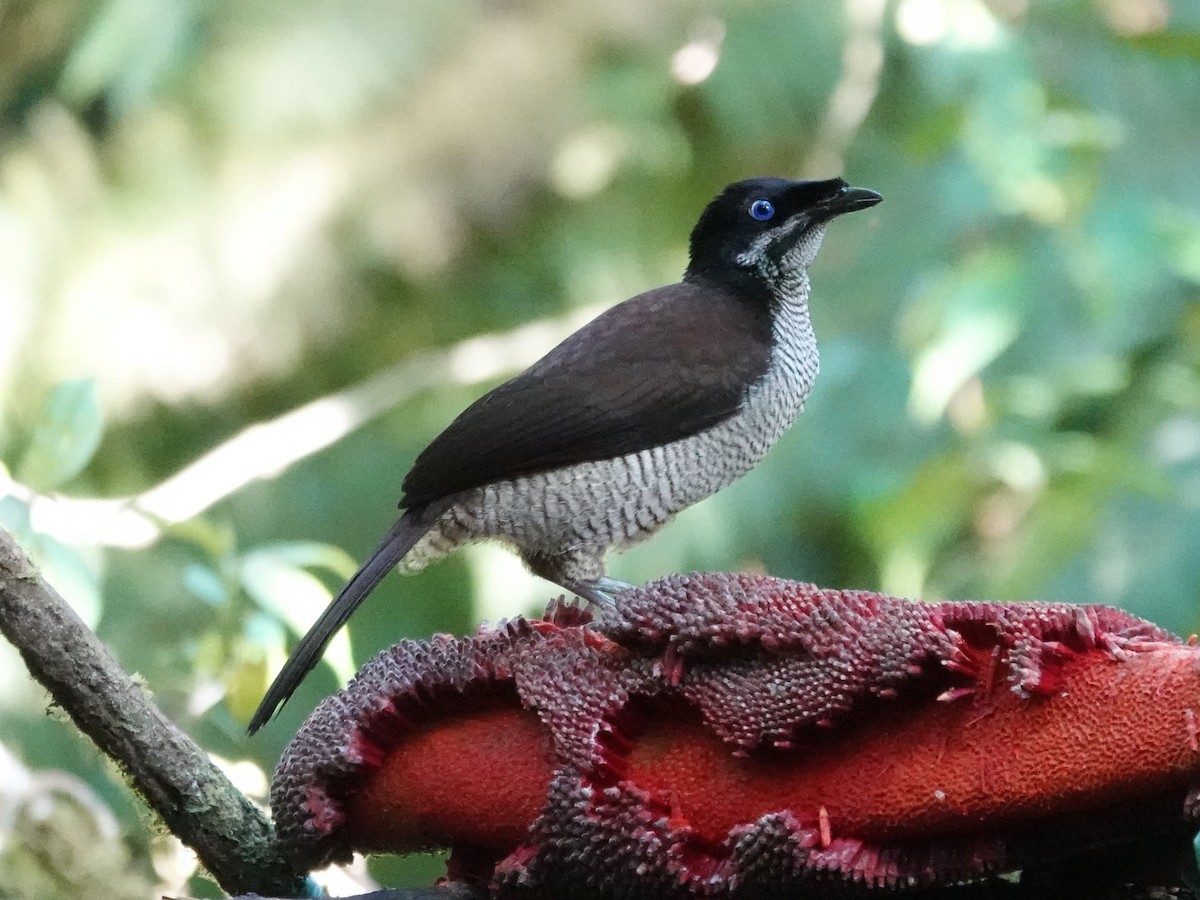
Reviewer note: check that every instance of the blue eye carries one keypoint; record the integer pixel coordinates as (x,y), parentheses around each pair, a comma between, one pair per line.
(762,210)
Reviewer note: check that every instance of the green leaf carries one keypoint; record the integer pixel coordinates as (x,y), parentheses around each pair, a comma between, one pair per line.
(1191,865)
(276,577)
(65,436)
(14,517)
(205,583)
(1169,44)
(75,573)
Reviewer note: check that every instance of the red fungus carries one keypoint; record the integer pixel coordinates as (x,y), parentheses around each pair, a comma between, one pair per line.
(429,789)
(728,735)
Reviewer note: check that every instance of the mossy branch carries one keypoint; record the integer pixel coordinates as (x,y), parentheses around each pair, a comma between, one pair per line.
(175,777)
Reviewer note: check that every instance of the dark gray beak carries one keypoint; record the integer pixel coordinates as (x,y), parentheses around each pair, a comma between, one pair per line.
(851,199)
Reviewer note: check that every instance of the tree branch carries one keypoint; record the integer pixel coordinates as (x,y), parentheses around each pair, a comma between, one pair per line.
(233,840)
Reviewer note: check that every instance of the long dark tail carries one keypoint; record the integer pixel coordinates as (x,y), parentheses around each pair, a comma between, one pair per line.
(404,534)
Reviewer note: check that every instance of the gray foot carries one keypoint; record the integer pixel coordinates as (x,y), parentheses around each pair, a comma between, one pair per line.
(592,594)
(599,592)
(613,586)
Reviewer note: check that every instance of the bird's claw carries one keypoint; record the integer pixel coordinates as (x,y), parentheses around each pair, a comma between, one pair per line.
(601,592)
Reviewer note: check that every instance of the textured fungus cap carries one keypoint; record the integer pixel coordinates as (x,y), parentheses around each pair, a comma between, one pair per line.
(738,736)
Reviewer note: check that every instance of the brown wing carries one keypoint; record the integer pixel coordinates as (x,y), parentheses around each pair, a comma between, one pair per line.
(658,367)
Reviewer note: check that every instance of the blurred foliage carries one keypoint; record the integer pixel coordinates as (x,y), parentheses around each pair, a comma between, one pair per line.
(55,816)
(212,214)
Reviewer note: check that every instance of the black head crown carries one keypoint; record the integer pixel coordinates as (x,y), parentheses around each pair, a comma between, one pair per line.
(756,226)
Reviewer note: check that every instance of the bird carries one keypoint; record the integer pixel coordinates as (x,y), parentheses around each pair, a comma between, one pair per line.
(654,405)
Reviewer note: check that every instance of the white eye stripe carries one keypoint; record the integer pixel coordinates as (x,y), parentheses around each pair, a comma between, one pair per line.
(754,255)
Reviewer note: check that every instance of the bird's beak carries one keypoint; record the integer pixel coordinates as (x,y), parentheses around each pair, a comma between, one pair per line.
(850,199)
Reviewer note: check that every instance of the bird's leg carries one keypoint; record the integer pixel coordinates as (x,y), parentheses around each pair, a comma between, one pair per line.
(599,592)
(612,586)
(592,593)
(580,573)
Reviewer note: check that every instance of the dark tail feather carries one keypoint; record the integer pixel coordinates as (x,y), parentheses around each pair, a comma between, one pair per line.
(404,534)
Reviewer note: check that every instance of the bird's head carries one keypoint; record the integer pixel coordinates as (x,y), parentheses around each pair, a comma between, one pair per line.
(769,228)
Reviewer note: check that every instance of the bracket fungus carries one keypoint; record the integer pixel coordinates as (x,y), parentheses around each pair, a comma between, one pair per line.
(743,736)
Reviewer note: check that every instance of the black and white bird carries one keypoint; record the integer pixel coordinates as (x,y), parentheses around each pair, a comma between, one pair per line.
(656,404)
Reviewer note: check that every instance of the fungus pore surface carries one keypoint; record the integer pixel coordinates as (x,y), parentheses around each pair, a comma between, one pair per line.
(743,736)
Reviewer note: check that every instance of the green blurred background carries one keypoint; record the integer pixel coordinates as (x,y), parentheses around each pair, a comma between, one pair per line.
(247,249)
